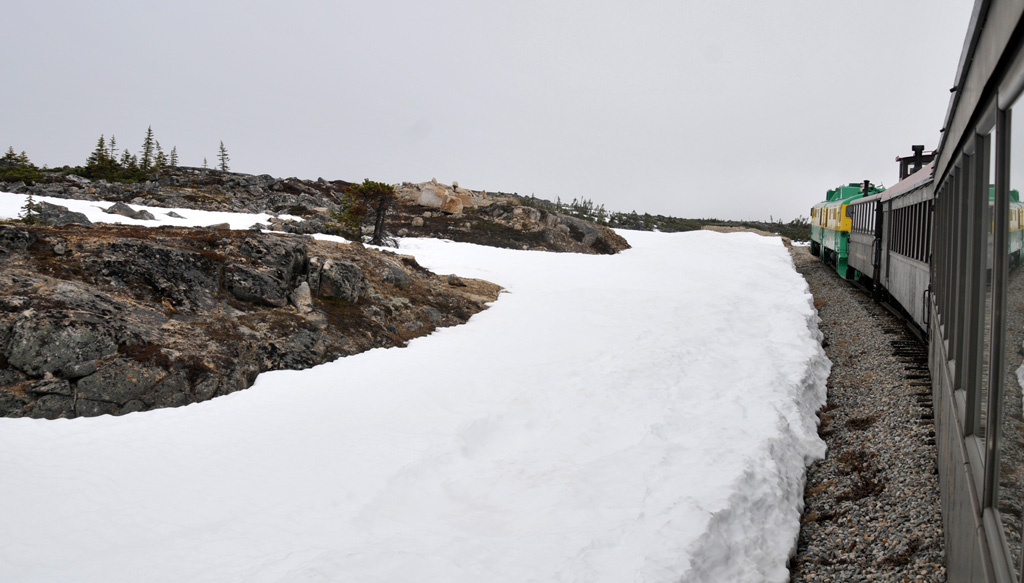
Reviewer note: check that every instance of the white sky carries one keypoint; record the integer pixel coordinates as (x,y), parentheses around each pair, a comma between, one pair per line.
(732,108)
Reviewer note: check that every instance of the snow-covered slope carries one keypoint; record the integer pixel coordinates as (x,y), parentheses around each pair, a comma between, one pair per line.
(639,417)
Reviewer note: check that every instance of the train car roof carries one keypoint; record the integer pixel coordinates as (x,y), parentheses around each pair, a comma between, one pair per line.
(912,182)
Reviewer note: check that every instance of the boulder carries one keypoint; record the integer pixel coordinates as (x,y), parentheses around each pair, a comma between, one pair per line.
(52,214)
(341,280)
(119,208)
(301,298)
(452,205)
(395,275)
(250,285)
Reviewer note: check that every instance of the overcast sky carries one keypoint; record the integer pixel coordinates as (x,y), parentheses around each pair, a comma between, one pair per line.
(726,108)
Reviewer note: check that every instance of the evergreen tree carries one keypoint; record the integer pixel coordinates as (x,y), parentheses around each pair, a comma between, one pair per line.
(174,156)
(30,212)
(100,164)
(204,162)
(99,156)
(160,160)
(10,157)
(17,167)
(378,196)
(222,157)
(113,147)
(147,149)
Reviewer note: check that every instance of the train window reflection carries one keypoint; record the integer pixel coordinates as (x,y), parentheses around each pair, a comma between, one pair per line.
(988,194)
(1010,493)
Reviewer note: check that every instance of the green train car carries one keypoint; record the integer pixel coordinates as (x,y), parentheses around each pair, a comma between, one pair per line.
(830,225)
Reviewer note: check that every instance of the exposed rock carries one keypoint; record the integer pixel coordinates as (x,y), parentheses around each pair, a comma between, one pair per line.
(395,275)
(301,298)
(120,381)
(48,341)
(52,214)
(119,208)
(505,223)
(131,318)
(306,207)
(341,280)
(53,406)
(14,239)
(249,285)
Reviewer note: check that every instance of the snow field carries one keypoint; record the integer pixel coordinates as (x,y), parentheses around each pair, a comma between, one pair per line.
(639,417)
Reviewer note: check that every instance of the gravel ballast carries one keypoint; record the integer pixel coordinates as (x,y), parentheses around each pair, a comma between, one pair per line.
(872,505)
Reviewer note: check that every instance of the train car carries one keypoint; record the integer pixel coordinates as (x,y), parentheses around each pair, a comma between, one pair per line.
(904,264)
(831,225)
(976,302)
(889,247)
(946,245)
(865,226)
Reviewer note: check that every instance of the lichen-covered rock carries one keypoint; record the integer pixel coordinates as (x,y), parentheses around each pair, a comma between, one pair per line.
(120,381)
(119,208)
(129,319)
(52,214)
(341,280)
(250,285)
(41,342)
(14,239)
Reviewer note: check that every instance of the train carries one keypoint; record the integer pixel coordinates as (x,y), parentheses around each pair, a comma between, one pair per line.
(943,247)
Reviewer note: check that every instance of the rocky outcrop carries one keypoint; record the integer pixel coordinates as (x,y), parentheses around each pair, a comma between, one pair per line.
(198,188)
(450,200)
(500,222)
(428,209)
(111,320)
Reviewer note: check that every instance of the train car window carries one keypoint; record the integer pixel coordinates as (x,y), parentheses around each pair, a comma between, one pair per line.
(984,206)
(1010,438)
(959,217)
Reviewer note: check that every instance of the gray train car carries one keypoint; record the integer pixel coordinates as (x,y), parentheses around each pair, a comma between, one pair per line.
(890,240)
(865,225)
(976,308)
(906,213)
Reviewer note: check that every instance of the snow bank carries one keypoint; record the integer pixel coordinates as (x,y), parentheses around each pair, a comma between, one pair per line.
(640,417)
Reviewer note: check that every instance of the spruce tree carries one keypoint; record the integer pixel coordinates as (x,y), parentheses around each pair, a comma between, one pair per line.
(30,211)
(147,149)
(222,157)
(99,155)
(160,160)
(113,147)
(174,156)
